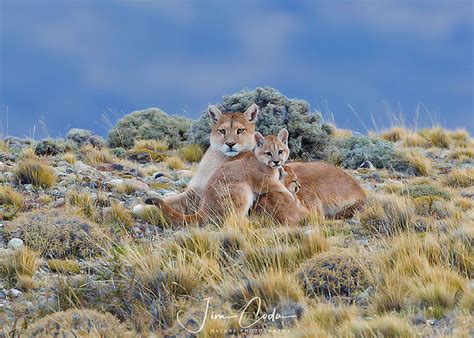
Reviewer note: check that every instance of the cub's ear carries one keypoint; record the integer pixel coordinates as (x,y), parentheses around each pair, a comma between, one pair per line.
(283,136)
(259,139)
(251,113)
(214,113)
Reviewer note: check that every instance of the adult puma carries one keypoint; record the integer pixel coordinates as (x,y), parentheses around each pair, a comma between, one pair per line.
(231,135)
(236,184)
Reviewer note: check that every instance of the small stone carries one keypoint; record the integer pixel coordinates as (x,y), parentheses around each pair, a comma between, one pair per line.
(136,230)
(137,210)
(138,185)
(15,293)
(15,244)
(3,294)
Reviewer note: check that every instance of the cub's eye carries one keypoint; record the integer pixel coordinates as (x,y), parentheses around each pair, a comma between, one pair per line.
(280,152)
(240,130)
(268,153)
(222,131)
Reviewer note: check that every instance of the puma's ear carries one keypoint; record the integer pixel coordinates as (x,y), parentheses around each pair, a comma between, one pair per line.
(259,139)
(251,113)
(214,113)
(283,136)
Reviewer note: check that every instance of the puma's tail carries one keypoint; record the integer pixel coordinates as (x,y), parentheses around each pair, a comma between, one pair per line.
(172,213)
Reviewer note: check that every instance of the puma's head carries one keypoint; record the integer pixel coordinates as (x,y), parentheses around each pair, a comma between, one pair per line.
(233,133)
(272,150)
(290,180)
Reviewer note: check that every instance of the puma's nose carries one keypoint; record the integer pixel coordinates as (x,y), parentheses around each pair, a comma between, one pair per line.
(276,162)
(230,144)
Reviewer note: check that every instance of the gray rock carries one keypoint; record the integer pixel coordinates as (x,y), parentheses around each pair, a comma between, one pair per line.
(367,165)
(15,244)
(15,293)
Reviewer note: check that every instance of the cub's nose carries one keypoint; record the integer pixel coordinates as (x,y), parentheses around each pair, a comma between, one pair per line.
(230,144)
(276,162)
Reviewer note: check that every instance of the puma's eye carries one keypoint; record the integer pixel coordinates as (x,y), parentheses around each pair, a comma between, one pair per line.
(280,152)
(268,153)
(222,131)
(240,130)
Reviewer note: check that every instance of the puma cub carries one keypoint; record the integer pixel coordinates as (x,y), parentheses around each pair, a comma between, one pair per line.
(236,184)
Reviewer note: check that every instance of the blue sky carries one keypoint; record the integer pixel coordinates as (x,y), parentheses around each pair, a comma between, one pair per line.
(67,63)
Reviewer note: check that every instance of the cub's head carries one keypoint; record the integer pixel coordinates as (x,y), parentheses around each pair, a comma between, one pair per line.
(272,150)
(290,180)
(233,133)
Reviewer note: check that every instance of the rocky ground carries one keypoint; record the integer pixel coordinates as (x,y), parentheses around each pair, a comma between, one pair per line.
(75,235)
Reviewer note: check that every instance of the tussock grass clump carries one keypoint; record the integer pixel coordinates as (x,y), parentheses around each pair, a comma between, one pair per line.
(272,288)
(461,154)
(35,172)
(387,214)
(460,137)
(200,242)
(174,163)
(64,266)
(153,145)
(19,267)
(415,161)
(4,147)
(83,203)
(70,157)
(57,234)
(328,316)
(153,215)
(394,134)
(192,152)
(334,274)
(414,139)
(119,216)
(95,156)
(9,197)
(436,137)
(460,178)
(78,322)
(385,326)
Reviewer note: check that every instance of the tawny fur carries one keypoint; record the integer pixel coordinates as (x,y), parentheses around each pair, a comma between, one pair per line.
(339,193)
(283,209)
(238,128)
(236,184)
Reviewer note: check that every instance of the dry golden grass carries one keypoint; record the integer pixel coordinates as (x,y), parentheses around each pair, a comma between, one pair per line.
(19,267)
(174,163)
(385,326)
(9,197)
(35,172)
(413,139)
(64,266)
(387,214)
(153,215)
(95,156)
(28,153)
(4,147)
(436,137)
(153,145)
(461,153)
(418,161)
(192,152)
(82,202)
(394,134)
(70,157)
(460,178)
(119,216)
(460,138)
(328,316)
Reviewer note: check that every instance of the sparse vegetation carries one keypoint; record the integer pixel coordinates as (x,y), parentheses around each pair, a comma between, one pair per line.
(174,163)
(95,156)
(19,267)
(192,152)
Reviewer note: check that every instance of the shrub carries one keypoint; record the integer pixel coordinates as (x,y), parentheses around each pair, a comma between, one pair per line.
(149,124)
(355,150)
(192,152)
(57,234)
(78,322)
(35,172)
(307,138)
(82,137)
(387,214)
(49,147)
(334,274)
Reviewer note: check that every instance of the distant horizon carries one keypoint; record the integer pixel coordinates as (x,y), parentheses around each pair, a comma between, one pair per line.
(75,61)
